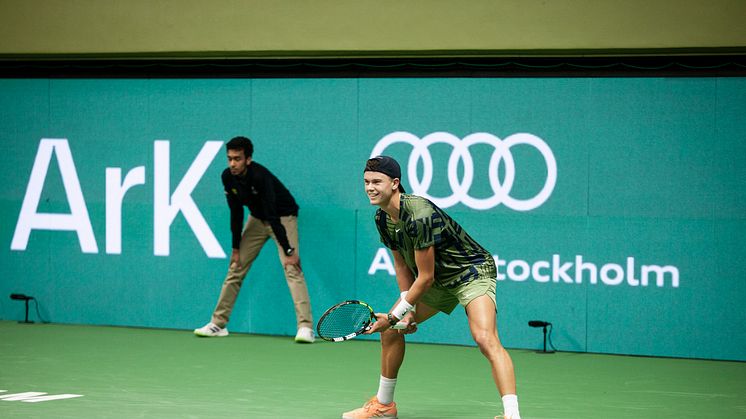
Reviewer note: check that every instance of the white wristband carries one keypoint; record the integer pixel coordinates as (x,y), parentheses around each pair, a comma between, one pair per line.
(401,309)
(403,295)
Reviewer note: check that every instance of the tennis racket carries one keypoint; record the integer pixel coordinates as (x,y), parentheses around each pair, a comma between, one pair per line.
(346,320)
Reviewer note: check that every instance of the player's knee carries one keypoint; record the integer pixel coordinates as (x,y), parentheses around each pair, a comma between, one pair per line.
(390,337)
(486,341)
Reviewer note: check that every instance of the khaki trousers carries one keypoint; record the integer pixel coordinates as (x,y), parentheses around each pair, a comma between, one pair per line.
(254,236)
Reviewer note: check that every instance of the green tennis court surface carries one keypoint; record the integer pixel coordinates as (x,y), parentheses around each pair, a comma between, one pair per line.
(147,373)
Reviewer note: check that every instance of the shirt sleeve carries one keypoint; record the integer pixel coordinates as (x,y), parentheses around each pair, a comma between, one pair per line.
(236,212)
(427,230)
(269,205)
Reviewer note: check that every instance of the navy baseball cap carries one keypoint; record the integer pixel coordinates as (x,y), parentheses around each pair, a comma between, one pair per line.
(386,165)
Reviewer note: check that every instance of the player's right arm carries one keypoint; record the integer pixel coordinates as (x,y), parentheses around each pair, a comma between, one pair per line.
(425,261)
(404,279)
(415,287)
(404,276)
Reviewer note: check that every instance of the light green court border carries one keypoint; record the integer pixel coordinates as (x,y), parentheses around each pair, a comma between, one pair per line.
(127,373)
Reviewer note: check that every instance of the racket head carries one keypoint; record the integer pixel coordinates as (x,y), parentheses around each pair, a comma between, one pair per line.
(345,320)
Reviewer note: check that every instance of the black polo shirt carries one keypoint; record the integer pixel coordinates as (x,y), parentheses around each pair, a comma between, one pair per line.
(265,196)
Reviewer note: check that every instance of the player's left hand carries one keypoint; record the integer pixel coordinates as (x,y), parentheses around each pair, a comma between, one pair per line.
(410,322)
(381,324)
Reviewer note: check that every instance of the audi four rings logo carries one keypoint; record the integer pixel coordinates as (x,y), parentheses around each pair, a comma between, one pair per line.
(460,153)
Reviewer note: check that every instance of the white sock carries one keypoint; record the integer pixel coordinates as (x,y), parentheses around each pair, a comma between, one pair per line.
(510,406)
(386,390)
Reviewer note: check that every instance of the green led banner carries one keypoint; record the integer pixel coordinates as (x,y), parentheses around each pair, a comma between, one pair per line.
(614,208)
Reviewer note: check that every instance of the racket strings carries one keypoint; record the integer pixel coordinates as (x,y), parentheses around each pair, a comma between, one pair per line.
(344,320)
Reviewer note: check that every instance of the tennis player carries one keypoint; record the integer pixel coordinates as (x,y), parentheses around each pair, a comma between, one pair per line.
(438,266)
(273,213)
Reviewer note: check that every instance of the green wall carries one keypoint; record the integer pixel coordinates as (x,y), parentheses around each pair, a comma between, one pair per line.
(261,28)
(650,174)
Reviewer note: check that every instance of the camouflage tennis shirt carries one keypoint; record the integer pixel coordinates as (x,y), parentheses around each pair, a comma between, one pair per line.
(458,258)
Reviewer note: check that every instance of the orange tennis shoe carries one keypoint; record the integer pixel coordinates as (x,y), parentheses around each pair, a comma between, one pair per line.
(372,409)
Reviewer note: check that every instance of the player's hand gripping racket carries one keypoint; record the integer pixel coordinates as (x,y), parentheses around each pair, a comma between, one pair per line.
(346,320)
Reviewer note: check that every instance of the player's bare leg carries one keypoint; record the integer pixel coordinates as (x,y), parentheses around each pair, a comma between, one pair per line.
(392,356)
(483,327)
(393,346)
